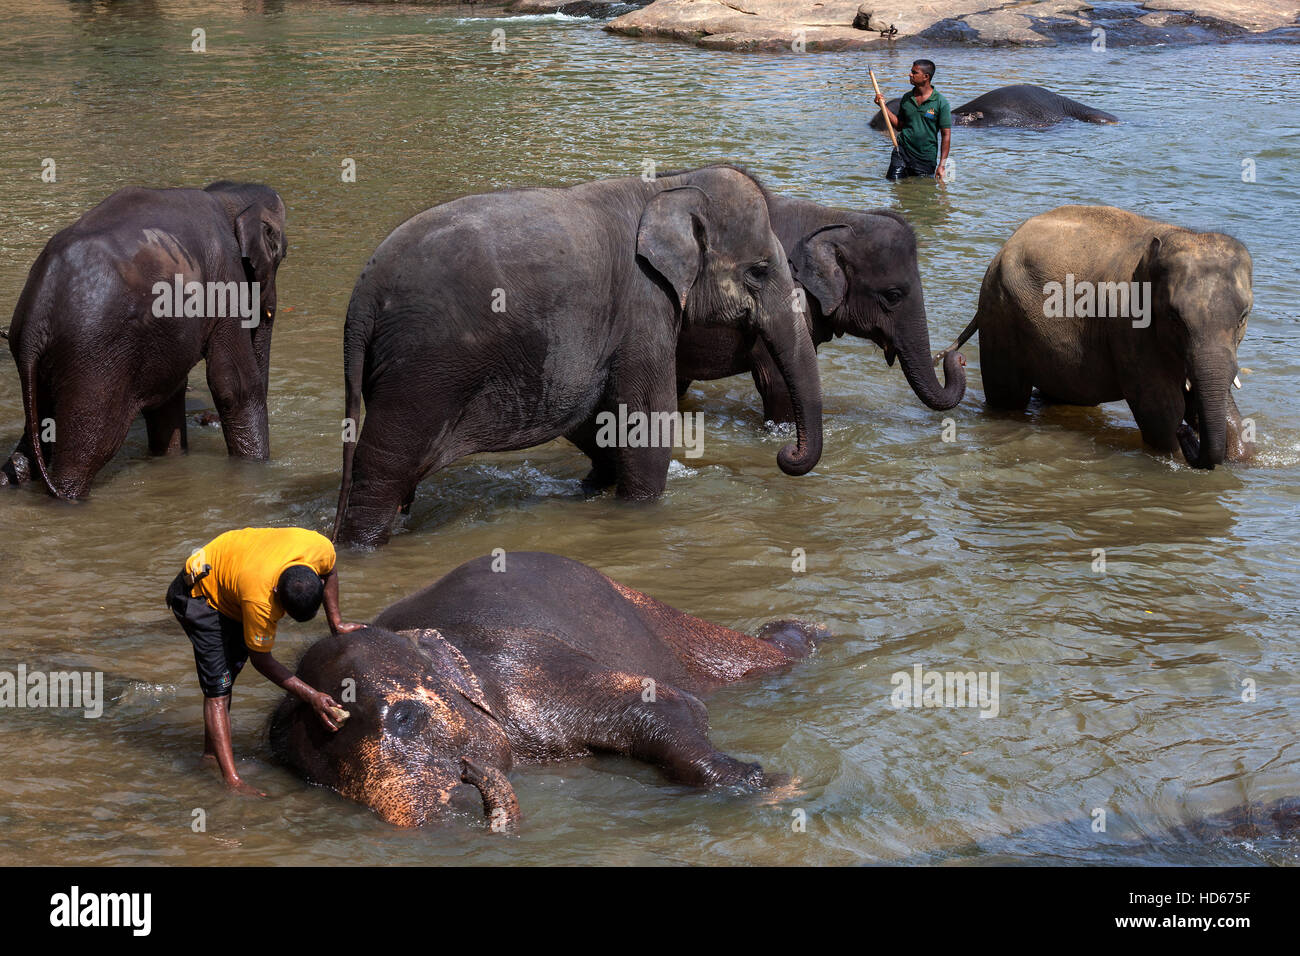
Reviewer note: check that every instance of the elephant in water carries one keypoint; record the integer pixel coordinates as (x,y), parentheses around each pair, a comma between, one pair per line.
(121,305)
(860,273)
(534,658)
(505,320)
(1018,105)
(1094,304)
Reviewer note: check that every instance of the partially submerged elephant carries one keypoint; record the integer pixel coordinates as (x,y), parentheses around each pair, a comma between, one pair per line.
(94,349)
(500,321)
(860,273)
(1095,304)
(543,658)
(1019,105)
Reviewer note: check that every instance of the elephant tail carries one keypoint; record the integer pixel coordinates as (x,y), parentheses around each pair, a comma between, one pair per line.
(961,339)
(27,377)
(356,342)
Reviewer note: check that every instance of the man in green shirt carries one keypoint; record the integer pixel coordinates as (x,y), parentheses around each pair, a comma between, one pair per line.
(923,114)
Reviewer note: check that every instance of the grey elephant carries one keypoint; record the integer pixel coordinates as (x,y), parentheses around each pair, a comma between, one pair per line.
(860,275)
(1020,105)
(500,321)
(1095,304)
(94,348)
(520,658)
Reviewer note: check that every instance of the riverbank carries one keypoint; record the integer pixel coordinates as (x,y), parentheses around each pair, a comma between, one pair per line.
(778,25)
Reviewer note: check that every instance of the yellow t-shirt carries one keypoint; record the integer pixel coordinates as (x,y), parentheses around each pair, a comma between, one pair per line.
(246,565)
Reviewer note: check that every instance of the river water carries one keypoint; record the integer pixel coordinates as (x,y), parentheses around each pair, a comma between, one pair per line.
(1120,692)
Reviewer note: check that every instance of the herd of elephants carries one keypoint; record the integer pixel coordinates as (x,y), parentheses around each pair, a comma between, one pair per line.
(503,320)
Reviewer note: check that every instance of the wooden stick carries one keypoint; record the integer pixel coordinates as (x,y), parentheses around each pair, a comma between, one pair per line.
(888,125)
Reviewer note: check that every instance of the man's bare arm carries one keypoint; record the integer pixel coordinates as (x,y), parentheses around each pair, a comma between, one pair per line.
(332,615)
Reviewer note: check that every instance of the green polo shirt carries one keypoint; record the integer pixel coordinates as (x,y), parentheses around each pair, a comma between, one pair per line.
(919,134)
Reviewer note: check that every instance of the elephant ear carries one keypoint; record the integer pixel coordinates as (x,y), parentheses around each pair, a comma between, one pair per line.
(671,236)
(1149,265)
(260,243)
(450,664)
(817,264)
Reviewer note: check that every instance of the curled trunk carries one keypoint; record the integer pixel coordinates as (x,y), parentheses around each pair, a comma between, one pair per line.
(500,805)
(913,345)
(785,334)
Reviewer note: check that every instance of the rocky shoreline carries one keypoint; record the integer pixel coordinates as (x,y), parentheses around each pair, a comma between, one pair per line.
(782,25)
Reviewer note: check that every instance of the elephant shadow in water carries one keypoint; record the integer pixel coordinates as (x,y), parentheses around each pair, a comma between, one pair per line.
(515,659)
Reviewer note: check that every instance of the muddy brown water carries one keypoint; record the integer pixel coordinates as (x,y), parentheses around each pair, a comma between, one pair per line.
(1120,691)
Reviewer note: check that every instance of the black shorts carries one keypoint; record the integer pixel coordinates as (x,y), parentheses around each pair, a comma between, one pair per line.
(219,649)
(903,164)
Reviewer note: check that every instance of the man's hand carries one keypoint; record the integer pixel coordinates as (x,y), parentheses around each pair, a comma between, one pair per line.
(346,627)
(880,100)
(322,703)
(938,174)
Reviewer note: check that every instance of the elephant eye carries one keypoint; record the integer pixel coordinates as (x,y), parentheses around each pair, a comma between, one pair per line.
(404,718)
(892,297)
(756,275)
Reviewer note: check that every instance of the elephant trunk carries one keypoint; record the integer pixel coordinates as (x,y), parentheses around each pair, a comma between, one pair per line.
(785,333)
(500,805)
(913,345)
(1210,380)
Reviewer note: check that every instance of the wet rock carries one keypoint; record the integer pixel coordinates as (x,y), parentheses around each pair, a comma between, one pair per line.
(852,24)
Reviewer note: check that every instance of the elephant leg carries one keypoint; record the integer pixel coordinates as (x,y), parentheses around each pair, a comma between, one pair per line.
(604,463)
(85,437)
(1158,413)
(642,459)
(165,424)
(236,385)
(1005,383)
(769,381)
(661,725)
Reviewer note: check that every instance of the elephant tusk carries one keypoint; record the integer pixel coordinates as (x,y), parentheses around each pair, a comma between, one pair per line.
(1236,381)
(1187,385)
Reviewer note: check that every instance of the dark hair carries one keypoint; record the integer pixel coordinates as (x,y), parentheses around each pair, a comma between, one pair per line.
(300,590)
(927,67)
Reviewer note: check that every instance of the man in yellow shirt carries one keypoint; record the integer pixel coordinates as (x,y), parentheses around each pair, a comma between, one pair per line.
(228,599)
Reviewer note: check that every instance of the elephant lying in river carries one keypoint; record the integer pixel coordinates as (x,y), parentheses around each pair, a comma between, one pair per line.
(1094,304)
(1019,105)
(547,659)
(94,349)
(860,273)
(500,321)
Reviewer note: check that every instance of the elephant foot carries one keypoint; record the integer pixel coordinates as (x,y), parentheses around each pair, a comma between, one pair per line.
(1190,443)
(596,481)
(795,638)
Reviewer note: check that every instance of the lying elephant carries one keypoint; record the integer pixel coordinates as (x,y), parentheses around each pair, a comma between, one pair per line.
(94,348)
(547,659)
(1094,304)
(1018,105)
(501,321)
(860,272)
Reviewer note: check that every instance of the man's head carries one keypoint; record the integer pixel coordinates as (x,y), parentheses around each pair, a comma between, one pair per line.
(922,72)
(300,591)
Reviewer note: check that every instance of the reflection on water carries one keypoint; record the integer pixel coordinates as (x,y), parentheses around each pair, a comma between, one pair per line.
(1128,691)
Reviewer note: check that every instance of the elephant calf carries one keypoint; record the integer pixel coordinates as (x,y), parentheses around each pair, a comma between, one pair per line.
(542,658)
(1094,304)
(860,273)
(94,348)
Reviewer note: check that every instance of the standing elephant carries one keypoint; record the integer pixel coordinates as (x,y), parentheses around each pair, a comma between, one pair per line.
(98,338)
(1021,105)
(520,658)
(860,272)
(500,321)
(1094,304)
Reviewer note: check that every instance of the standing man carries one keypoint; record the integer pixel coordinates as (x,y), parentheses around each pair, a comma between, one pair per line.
(228,599)
(924,113)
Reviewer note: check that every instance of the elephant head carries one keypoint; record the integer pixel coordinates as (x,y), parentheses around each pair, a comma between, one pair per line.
(418,727)
(1200,297)
(706,233)
(863,279)
(257,217)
